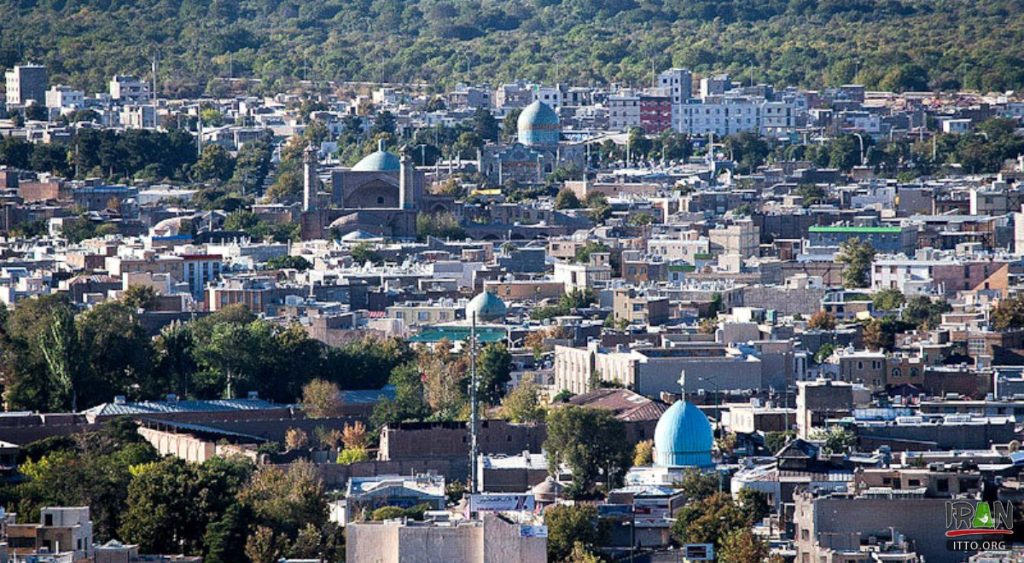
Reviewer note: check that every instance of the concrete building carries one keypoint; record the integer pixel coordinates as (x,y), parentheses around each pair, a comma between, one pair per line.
(623,112)
(26,83)
(651,371)
(493,539)
(892,240)
(60,97)
(128,90)
(818,401)
(61,530)
(635,307)
(677,84)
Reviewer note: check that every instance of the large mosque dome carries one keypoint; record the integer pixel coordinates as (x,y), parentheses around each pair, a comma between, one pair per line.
(487,306)
(379,161)
(538,125)
(683,437)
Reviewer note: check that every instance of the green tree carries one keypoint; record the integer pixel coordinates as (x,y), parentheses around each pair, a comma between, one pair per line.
(321,399)
(364,252)
(139,297)
(1008,313)
(494,369)
(442,225)
(643,453)
(755,504)
(214,164)
(856,257)
(709,520)
(924,312)
(589,442)
(566,199)
(742,546)
(522,404)
(568,525)
(887,299)
(836,440)
(699,485)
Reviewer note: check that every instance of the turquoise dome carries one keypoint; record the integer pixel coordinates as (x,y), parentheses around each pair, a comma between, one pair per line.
(683,437)
(538,125)
(379,161)
(487,306)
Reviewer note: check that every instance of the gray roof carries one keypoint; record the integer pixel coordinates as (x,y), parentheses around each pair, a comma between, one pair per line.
(159,407)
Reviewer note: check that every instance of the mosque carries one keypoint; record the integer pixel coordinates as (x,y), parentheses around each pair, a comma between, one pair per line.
(682,440)
(380,195)
(537,152)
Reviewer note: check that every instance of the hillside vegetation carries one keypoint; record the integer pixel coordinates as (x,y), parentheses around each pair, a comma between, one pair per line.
(890,44)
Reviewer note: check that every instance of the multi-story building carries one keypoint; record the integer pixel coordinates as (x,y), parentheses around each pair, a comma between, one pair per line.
(493,539)
(623,112)
(128,90)
(64,97)
(655,113)
(893,240)
(60,531)
(26,83)
(635,307)
(677,84)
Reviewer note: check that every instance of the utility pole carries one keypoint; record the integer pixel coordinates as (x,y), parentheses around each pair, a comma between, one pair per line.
(474,415)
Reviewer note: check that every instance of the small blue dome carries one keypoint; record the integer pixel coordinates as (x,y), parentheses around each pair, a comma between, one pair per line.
(683,437)
(538,124)
(379,161)
(487,306)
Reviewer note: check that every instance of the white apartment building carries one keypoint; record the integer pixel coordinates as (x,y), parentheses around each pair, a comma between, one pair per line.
(128,89)
(26,83)
(64,97)
(138,117)
(733,115)
(671,250)
(550,95)
(623,112)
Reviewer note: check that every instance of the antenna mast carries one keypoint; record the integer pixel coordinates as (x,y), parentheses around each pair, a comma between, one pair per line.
(474,415)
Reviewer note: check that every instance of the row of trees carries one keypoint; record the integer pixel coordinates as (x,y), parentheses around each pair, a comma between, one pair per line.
(225,509)
(141,154)
(55,358)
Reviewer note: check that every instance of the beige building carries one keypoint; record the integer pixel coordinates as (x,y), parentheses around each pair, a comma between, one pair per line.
(635,307)
(739,238)
(581,276)
(525,290)
(494,539)
(651,371)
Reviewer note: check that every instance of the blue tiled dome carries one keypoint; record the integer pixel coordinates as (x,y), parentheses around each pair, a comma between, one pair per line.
(379,161)
(538,125)
(487,306)
(683,437)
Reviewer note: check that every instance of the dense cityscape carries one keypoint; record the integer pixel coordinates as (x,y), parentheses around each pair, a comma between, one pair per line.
(661,313)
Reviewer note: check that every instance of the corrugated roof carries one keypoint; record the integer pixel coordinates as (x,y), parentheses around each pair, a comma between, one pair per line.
(158,407)
(625,404)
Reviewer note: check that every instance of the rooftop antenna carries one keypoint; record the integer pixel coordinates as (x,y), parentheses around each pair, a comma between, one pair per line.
(474,414)
(155,61)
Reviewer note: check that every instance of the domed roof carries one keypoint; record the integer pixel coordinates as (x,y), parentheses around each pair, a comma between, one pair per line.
(379,161)
(537,113)
(538,125)
(487,306)
(683,437)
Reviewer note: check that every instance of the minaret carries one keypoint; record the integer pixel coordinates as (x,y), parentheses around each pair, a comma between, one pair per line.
(406,182)
(309,188)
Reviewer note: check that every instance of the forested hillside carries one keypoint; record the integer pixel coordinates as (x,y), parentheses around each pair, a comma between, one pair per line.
(892,44)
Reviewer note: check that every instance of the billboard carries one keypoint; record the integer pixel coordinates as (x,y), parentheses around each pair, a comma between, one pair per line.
(699,551)
(615,510)
(500,503)
(527,531)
